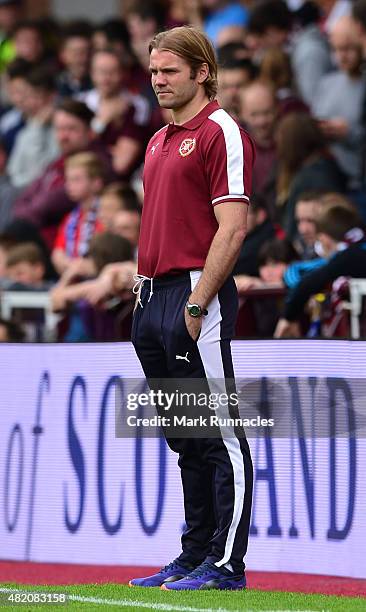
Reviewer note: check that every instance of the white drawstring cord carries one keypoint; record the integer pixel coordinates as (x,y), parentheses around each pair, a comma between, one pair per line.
(139,281)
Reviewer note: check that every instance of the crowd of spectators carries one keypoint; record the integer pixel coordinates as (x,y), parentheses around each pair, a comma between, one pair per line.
(77,111)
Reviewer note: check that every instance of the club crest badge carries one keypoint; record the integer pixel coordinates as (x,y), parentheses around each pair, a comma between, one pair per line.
(187,146)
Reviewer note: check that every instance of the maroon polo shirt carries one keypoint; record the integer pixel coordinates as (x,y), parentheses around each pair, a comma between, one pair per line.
(188,170)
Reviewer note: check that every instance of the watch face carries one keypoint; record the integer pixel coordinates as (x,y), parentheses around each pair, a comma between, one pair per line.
(194,310)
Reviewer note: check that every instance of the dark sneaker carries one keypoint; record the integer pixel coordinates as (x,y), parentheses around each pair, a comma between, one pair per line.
(208,576)
(174,571)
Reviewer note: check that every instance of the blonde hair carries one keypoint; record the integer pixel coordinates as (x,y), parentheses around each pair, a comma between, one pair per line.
(194,47)
(89,161)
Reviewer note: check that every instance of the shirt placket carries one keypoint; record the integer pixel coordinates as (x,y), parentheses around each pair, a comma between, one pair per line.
(171,131)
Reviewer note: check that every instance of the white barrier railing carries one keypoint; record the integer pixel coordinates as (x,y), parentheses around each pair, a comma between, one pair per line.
(31,300)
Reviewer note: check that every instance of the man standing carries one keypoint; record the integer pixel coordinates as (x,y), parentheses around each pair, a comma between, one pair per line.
(45,202)
(197,181)
(233,76)
(259,114)
(121,119)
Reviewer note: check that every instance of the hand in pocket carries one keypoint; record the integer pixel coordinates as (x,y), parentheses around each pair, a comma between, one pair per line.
(193,325)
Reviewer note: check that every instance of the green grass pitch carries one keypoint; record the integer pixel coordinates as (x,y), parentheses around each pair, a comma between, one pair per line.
(108,596)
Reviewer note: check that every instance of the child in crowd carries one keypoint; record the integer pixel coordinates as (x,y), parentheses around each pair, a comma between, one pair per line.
(274,265)
(19,231)
(342,243)
(274,257)
(25,265)
(108,252)
(84,174)
(116,197)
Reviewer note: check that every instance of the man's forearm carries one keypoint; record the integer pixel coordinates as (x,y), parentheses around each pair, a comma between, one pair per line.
(74,293)
(220,261)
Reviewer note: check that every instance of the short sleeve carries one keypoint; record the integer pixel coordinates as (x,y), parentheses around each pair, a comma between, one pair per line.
(229,158)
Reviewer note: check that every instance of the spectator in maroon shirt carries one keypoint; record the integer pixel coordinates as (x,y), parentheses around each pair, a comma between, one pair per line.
(121,119)
(259,115)
(45,202)
(113,34)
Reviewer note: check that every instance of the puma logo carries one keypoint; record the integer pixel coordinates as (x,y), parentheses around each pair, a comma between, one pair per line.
(184,358)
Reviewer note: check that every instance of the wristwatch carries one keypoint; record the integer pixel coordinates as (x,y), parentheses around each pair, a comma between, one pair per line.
(195,310)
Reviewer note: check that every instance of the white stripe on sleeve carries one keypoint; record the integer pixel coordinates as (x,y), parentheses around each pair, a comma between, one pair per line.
(230,197)
(234,150)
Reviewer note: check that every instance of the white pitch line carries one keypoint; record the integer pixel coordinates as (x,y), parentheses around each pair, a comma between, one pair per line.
(168,608)
(126,602)
(144,604)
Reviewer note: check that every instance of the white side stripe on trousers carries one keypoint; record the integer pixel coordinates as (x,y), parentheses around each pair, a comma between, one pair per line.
(210,352)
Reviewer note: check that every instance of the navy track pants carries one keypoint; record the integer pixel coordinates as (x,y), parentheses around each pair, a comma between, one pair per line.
(217,473)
